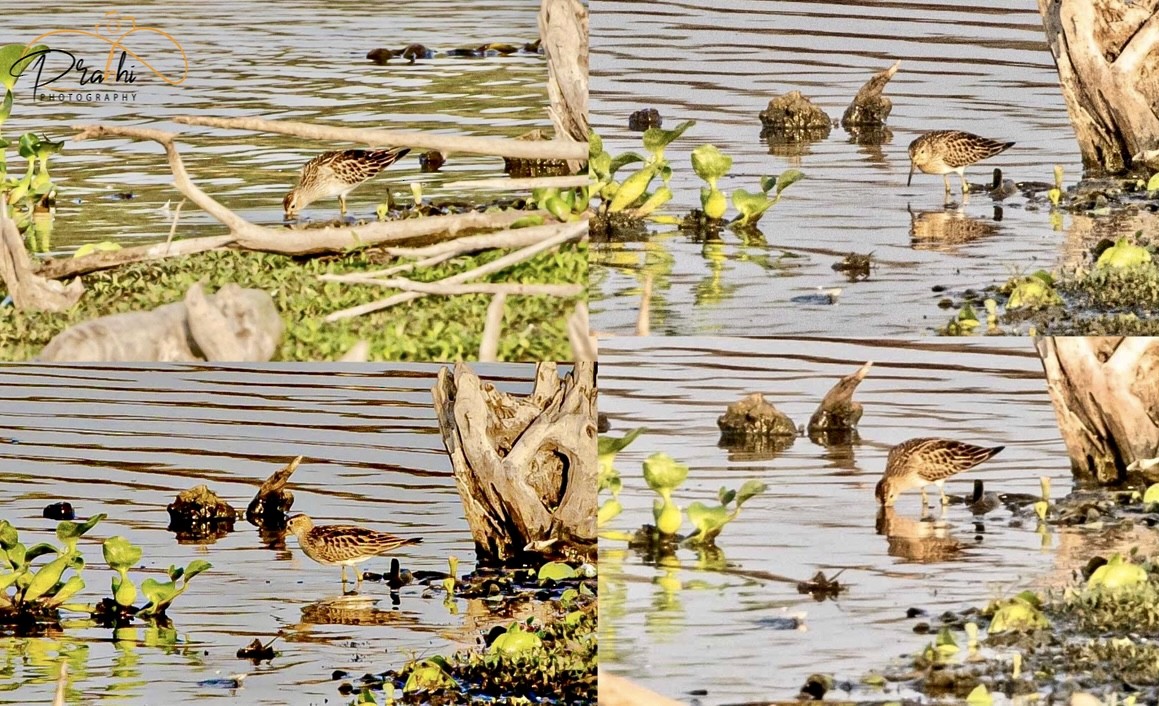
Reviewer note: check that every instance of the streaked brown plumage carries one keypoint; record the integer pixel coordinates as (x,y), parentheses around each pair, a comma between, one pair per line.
(343,545)
(337,174)
(918,462)
(945,151)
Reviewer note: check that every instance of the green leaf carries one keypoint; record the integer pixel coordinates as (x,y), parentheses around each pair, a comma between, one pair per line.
(9,536)
(660,197)
(623,160)
(73,586)
(556,571)
(725,495)
(609,510)
(632,189)
(714,203)
(1123,254)
(668,516)
(595,145)
(516,640)
(750,489)
(69,530)
(979,697)
(768,182)
(13,61)
(124,590)
(6,107)
(708,520)
(40,550)
(656,139)
(663,474)
(47,577)
(196,567)
(788,178)
(120,553)
(751,206)
(1117,573)
(613,445)
(28,145)
(1153,182)
(945,644)
(159,593)
(710,164)
(1152,494)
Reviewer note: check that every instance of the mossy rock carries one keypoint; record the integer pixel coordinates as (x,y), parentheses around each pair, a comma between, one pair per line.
(755,418)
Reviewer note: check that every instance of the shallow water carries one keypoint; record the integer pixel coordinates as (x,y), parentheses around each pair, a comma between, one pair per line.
(302,60)
(982,67)
(680,628)
(126,441)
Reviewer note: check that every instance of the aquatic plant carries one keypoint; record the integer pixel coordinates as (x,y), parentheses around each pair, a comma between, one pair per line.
(753,206)
(709,521)
(1032,292)
(609,477)
(1022,612)
(710,164)
(121,555)
(1123,254)
(29,593)
(619,196)
(663,474)
(1117,573)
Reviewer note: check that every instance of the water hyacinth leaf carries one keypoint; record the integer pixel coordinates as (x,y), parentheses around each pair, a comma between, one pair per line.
(196,567)
(622,160)
(749,490)
(708,520)
(601,166)
(750,206)
(120,553)
(1152,494)
(660,197)
(611,445)
(558,208)
(70,588)
(788,178)
(1116,574)
(662,473)
(1040,508)
(1153,182)
(768,182)
(68,530)
(528,221)
(7,580)
(710,163)
(595,145)
(725,495)
(1124,254)
(632,189)
(28,145)
(555,571)
(16,555)
(8,534)
(427,675)
(14,59)
(979,697)
(1055,196)
(47,577)
(608,511)
(124,590)
(1017,614)
(945,643)
(39,550)
(656,139)
(516,640)
(668,516)
(6,106)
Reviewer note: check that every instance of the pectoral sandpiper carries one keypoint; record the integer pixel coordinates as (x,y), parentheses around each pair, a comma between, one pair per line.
(945,151)
(918,462)
(337,174)
(344,545)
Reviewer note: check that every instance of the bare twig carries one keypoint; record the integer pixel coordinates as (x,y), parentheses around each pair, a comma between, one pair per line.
(513,288)
(68,267)
(583,343)
(173,228)
(500,147)
(527,184)
(574,231)
(489,348)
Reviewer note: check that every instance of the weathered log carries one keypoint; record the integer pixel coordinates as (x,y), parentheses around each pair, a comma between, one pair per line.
(1107,55)
(234,324)
(1105,392)
(525,467)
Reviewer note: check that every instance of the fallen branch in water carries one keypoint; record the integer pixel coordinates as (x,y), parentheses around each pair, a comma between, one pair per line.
(495,146)
(567,233)
(445,289)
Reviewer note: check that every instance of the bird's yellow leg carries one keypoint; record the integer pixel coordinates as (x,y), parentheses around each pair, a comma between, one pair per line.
(925,500)
(342,208)
(965,184)
(946,179)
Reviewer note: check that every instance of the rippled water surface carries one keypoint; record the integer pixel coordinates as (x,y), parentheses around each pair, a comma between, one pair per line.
(679,628)
(126,441)
(982,67)
(300,60)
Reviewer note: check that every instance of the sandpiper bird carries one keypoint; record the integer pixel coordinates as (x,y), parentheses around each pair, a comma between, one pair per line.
(344,545)
(918,462)
(337,174)
(945,151)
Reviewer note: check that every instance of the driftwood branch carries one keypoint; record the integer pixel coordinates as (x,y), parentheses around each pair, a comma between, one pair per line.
(495,146)
(28,289)
(563,27)
(489,348)
(584,345)
(572,231)
(450,290)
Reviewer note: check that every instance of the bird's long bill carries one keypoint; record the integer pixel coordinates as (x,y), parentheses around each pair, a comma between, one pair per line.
(911,173)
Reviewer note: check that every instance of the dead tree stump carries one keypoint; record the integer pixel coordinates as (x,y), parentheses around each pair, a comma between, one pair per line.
(1107,54)
(1105,392)
(525,467)
(563,29)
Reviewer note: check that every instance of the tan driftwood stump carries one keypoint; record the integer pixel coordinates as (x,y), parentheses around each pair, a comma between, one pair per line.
(1105,392)
(525,467)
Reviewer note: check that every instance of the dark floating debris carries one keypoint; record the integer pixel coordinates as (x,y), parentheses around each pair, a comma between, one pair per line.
(59,511)
(855,266)
(522,168)
(258,652)
(431,161)
(643,119)
(820,587)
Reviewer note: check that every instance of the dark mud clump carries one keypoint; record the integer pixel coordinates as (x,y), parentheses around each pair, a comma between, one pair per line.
(198,514)
(617,227)
(755,425)
(643,119)
(524,168)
